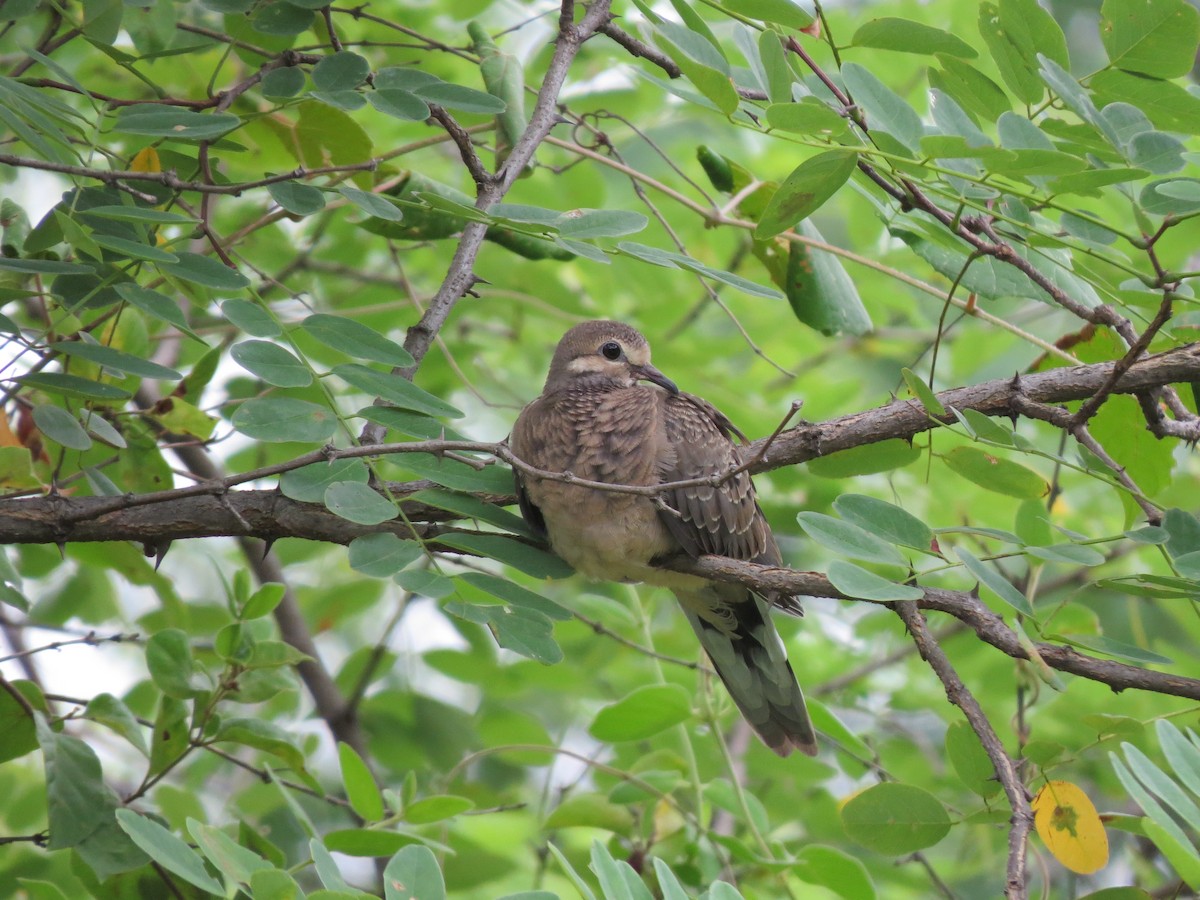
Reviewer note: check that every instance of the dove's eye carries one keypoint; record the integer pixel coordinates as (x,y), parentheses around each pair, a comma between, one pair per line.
(611,350)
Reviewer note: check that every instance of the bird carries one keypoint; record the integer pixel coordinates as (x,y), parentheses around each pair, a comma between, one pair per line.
(607,415)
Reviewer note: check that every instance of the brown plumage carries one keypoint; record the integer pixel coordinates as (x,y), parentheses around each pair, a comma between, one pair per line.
(597,419)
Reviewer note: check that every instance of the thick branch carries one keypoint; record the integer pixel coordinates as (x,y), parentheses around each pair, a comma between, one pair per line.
(907,418)
(212,508)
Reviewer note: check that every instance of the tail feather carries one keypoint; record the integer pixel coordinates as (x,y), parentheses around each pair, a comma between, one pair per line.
(739,637)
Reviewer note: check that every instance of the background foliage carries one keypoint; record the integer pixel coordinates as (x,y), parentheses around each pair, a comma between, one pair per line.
(230,226)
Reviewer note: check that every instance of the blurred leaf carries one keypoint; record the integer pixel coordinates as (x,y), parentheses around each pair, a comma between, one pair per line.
(272,363)
(644,712)
(996,473)
(895,819)
(284,419)
(359,783)
(167,850)
(1153,37)
(907,36)
(413,874)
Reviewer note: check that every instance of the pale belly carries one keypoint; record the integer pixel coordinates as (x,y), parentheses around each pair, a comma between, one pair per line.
(613,540)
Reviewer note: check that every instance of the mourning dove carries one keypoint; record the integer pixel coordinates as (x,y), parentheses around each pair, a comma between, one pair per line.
(597,420)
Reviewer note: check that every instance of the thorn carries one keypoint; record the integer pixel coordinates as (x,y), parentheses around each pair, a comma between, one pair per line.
(160,553)
(268,543)
(62,549)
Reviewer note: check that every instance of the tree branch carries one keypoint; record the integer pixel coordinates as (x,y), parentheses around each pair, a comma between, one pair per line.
(1006,773)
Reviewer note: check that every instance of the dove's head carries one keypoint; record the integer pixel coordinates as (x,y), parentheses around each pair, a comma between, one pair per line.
(603,354)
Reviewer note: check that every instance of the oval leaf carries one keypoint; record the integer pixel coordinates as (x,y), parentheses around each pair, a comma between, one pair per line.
(642,713)
(808,187)
(1068,824)
(895,818)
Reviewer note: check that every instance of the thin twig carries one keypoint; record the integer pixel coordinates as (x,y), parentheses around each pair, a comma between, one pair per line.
(960,696)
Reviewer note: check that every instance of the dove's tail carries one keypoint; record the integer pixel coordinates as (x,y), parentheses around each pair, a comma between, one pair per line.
(747,652)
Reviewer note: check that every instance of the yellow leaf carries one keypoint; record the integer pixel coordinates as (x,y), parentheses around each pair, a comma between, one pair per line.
(1069,826)
(146,160)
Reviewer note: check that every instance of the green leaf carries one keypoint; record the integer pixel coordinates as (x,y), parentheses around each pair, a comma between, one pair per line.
(848,539)
(529,560)
(161,120)
(994,581)
(263,601)
(361,789)
(396,389)
(231,859)
(642,713)
(885,520)
(1153,37)
(272,363)
(895,819)
(262,735)
(524,631)
(155,304)
(583,224)
(515,595)
(282,84)
(821,293)
(804,191)
(403,105)
(61,427)
(45,266)
(835,870)
(780,12)
(78,804)
(1013,54)
(413,874)
(808,116)
(169,659)
(298,199)
(149,215)
(169,737)
(882,456)
(886,110)
(589,811)
(924,393)
(356,339)
(168,850)
(111,712)
(326,866)
(1168,105)
(279,419)
(469,507)
(382,555)
(112,358)
(251,318)
(18,735)
(460,97)
(996,474)
(855,581)
(372,204)
(907,36)
(359,503)
(72,386)
(1118,649)
(341,71)
(971,88)
(309,483)
(1180,854)
(971,762)
(206,271)
(436,809)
